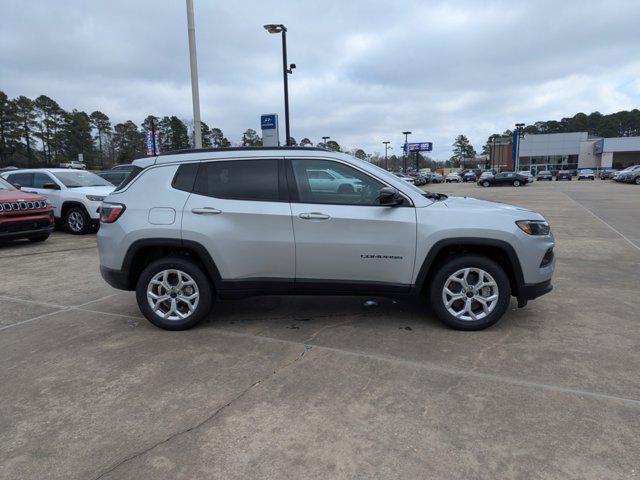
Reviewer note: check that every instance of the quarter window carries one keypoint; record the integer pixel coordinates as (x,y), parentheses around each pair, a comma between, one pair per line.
(325,181)
(239,179)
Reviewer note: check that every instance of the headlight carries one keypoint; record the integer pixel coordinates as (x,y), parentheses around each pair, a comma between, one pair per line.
(95,198)
(534,227)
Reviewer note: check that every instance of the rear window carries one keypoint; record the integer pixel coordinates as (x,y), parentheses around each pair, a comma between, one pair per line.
(239,179)
(132,174)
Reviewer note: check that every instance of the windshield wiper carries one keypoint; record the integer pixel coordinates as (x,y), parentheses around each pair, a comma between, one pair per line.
(435,196)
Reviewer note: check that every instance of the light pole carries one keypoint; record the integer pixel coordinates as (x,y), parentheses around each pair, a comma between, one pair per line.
(286,71)
(386,157)
(324,140)
(520,135)
(406,151)
(193,62)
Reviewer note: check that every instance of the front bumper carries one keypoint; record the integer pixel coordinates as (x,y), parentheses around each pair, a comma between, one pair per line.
(529,291)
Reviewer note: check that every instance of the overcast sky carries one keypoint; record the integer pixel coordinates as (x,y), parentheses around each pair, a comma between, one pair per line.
(367,70)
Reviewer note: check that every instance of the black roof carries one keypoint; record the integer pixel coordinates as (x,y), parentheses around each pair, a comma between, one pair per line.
(237,149)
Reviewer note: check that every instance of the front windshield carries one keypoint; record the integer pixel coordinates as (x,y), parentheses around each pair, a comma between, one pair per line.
(4,185)
(81,179)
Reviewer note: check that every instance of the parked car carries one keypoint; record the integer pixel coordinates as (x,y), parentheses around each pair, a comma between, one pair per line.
(503,178)
(404,177)
(486,174)
(527,174)
(75,195)
(74,164)
(608,174)
(544,175)
(23,214)
(469,177)
(124,167)
(115,177)
(563,175)
(236,222)
(437,178)
(453,177)
(586,174)
(629,175)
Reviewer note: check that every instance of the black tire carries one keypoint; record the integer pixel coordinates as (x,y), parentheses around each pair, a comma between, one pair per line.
(346,189)
(486,184)
(77,221)
(516,183)
(445,270)
(638,180)
(39,238)
(205,300)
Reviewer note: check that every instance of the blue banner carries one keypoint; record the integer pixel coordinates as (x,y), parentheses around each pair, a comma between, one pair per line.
(515,146)
(268,122)
(420,146)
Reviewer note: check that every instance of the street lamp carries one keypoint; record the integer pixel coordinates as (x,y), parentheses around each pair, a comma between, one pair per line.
(324,140)
(193,63)
(286,70)
(386,157)
(406,151)
(520,135)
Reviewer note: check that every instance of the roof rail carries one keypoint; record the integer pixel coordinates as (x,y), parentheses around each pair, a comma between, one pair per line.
(237,149)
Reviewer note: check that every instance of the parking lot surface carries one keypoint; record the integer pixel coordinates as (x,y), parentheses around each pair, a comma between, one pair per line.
(326,387)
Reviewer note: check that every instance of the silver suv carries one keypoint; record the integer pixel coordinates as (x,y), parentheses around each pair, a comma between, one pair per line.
(186,228)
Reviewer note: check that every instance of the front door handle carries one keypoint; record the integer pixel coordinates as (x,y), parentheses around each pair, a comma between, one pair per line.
(314,216)
(206,211)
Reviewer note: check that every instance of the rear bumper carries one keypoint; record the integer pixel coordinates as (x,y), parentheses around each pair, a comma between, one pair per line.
(116,278)
(529,291)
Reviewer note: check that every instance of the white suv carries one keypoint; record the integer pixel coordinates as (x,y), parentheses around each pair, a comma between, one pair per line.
(188,227)
(75,195)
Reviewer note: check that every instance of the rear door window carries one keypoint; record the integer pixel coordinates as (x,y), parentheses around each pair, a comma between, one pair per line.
(23,179)
(239,179)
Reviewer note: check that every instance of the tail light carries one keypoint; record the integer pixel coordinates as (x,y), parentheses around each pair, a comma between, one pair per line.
(110,212)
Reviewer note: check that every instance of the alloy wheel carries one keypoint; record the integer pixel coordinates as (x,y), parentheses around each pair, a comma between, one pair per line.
(75,221)
(173,295)
(470,294)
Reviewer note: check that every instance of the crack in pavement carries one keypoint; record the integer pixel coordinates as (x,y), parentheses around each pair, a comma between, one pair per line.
(210,417)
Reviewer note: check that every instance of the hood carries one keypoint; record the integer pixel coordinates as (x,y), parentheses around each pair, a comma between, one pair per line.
(101,191)
(468,204)
(18,195)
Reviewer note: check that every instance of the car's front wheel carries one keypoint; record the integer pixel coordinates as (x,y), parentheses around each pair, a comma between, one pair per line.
(174,293)
(470,292)
(77,221)
(485,183)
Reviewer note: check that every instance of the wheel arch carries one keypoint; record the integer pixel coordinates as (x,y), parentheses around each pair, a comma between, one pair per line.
(68,204)
(142,252)
(498,250)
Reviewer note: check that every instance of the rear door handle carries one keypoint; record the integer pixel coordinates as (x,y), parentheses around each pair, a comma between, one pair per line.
(206,211)
(314,216)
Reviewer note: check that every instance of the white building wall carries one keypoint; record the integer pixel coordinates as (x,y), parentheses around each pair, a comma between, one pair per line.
(621,144)
(552,144)
(607,159)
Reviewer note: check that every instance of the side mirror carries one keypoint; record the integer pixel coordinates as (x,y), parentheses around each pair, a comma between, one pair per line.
(51,186)
(389,197)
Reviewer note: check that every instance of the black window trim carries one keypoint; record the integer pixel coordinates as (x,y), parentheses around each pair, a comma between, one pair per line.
(295,196)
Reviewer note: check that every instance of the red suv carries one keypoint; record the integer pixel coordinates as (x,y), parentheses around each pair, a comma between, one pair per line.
(23,215)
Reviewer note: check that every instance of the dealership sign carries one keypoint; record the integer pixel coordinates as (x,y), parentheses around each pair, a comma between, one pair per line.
(418,147)
(269,126)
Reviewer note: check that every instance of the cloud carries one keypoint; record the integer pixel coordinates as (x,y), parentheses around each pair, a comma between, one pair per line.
(367,70)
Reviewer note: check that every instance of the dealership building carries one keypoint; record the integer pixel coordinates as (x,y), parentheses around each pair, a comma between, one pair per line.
(568,151)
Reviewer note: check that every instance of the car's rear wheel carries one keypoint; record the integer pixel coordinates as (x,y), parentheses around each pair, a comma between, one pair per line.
(470,292)
(77,221)
(516,183)
(638,180)
(485,183)
(174,293)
